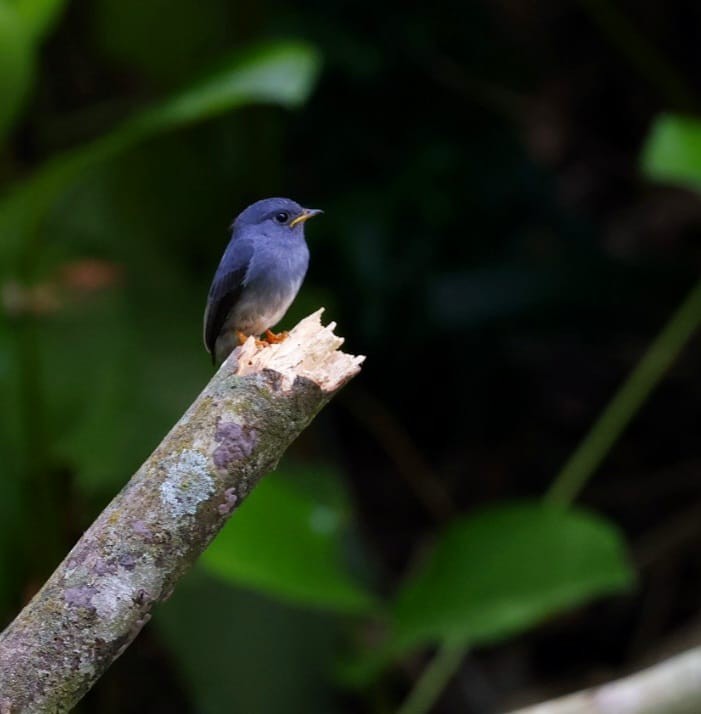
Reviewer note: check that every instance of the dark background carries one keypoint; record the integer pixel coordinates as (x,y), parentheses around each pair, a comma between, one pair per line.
(489,242)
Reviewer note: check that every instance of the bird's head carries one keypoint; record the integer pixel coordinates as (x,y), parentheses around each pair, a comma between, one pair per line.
(275,216)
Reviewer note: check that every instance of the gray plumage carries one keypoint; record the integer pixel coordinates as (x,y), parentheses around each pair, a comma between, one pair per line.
(259,275)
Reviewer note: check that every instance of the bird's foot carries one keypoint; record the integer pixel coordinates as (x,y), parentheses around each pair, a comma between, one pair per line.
(275,339)
(242,337)
(269,338)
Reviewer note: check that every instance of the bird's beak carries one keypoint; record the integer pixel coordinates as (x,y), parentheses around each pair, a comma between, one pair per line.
(305,216)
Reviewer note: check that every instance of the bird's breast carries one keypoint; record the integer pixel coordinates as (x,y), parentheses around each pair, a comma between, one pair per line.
(272,282)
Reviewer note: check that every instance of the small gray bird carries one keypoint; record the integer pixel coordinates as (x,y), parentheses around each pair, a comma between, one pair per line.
(259,274)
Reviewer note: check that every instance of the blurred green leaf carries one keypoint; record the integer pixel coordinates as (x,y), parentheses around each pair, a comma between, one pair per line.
(23,23)
(114,388)
(230,644)
(16,65)
(282,73)
(38,16)
(504,570)
(89,397)
(288,542)
(672,152)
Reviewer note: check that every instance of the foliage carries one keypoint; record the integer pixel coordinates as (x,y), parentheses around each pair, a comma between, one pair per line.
(287,541)
(239,639)
(673,151)
(23,24)
(493,307)
(501,571)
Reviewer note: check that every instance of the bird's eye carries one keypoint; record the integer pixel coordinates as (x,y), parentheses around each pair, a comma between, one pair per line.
(282,217)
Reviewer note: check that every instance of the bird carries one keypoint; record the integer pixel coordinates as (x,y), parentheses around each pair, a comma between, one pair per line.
(259,275)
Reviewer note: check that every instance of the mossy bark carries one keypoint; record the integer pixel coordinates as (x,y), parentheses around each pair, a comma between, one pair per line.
(101,595)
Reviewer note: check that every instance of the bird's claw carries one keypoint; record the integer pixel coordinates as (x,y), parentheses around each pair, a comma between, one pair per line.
(270,338)
(275,339)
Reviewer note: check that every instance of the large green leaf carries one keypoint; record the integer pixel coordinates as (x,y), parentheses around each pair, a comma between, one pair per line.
(672,152)
(288,542)
(504,570)
(282,73)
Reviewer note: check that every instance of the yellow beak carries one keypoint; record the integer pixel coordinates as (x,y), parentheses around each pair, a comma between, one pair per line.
(305,216)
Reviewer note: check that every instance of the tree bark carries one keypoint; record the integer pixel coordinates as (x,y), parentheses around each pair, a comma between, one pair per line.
(101,595)
(671,687)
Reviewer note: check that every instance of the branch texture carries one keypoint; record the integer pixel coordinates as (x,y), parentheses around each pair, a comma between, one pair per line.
(671,687)
(101,595)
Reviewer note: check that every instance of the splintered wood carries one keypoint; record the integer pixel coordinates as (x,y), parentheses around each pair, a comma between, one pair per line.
(311,350)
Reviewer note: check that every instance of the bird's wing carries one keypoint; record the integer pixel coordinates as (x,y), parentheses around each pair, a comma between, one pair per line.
(226,289)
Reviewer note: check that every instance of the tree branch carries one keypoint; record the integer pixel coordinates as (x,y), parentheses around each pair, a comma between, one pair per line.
(671,687)
(101,595)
